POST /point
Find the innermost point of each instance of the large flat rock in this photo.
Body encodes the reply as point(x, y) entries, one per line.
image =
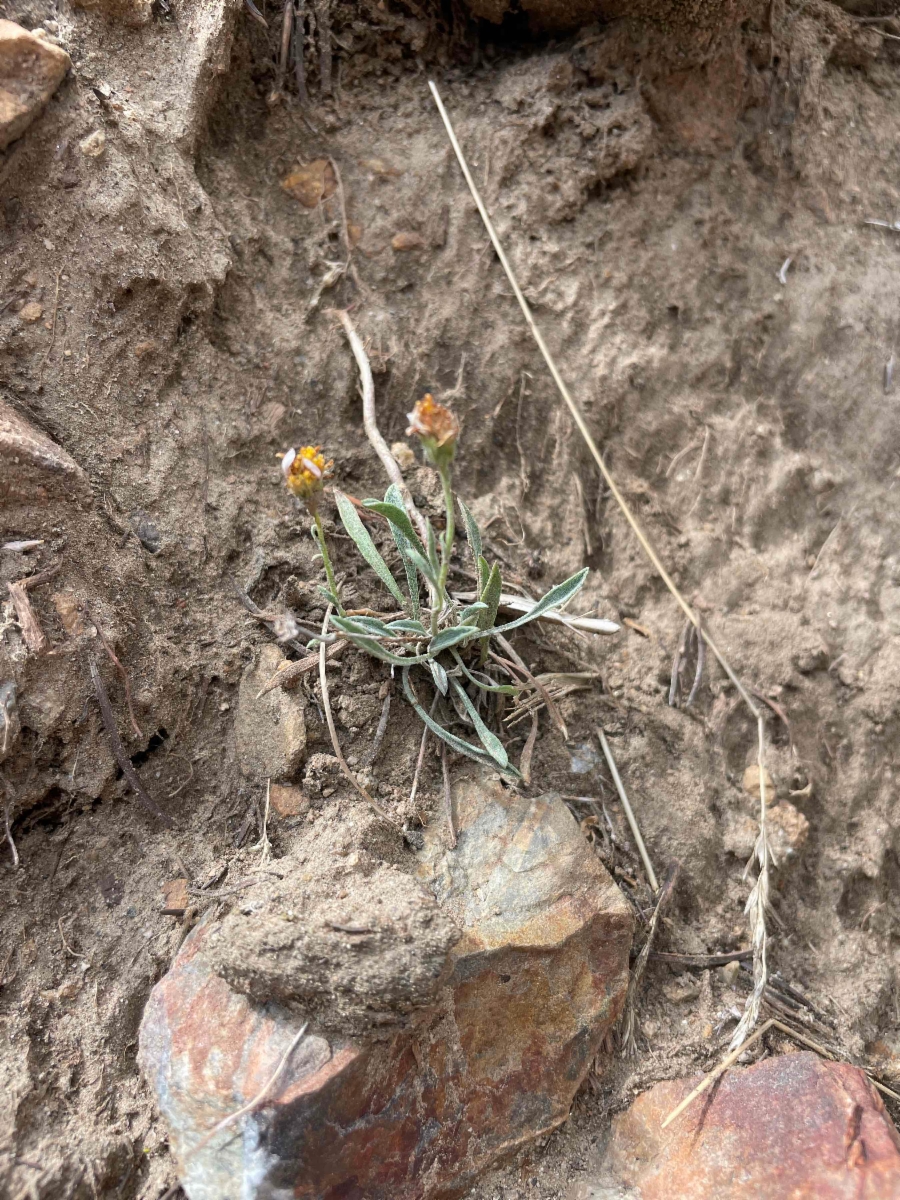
point(793, 1126)
point(491, 1056)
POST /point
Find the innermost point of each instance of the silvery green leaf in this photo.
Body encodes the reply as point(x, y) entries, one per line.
point(484, 574)
point(439, 675)
point(406, 626)
point(397, 515)
point(393, 497)
point(365, 545)
point(472, 610)
point(473, 533)
point(455, 743)
point(329, 596)
point(490, 741)
point(491, 598)
point(373, 647)
point(505, 689)
point(555, 598)
point(366, 626)
point(451, 637)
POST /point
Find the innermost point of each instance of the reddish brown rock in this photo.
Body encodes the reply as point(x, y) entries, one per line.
point(491, 1058)
point(793, 1126)
point(31, 69)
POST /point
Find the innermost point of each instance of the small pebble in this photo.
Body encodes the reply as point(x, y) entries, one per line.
point(93, 145)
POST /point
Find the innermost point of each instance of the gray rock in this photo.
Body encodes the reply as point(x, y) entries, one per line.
point(270, 732)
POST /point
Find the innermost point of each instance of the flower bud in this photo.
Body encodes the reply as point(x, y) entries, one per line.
point(436, 427)
point(305, 473)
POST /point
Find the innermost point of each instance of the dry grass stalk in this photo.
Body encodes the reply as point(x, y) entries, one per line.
point(626, 1027)
point(629, 812)
point(772, 1023)
point(528, 750)
point(758, 900)
point(329, 720)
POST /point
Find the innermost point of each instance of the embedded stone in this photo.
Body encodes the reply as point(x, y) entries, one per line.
point(792, 1125)
point(31, 69)
point(528, 970)
point(270, 730)
point(33, 468)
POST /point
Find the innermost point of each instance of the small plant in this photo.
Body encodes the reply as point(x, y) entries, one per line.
point(449, 639)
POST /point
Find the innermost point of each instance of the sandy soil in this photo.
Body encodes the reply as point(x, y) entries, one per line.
point(744, 402)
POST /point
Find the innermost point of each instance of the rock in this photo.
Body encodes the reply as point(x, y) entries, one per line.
point(751, 783)
point(525, 949)
point(311, 184)
point(270, 732)
point(93, 145)
point(31, 312)
point(130, 12)
point(287, 801)
point(33, 469)
point(404, 455)
point(407, 240)
point(176, 897)
point(31, 69)
point(793, 1125)
point(787, 829)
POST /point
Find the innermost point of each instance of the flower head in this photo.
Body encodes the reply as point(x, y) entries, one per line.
point(305, 472)
point(436, 426)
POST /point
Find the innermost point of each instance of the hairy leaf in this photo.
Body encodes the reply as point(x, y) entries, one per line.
point(366, 546)
point(451, 637)
point(490, 741)
point(505, 689)
point(484, 574)
point(555, 598)
point(473, 533)
point(439, 675)
point(491, 598)
point(393, 497)
point(455, 743)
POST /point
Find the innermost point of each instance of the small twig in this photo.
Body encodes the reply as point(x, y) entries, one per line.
point(264, 846)
point(381, 730)
point(299, 51)
point(7, 824)
point(329, 719)
point(636, 833)
point(701, 662)
point(68, 949)
point(122, 672)
point(518, 661)
point(379, 445)
point(119, 753)
point(32, 634)
point(342, 201)
point(528, 750)
point(323, 20)
point(626, 1037)
point(702, 460)
point(46, 357)
point(256, 14)
point(702, 961)
point(288, 673)
point(287, 29)
point(420, 759)
point(448, 797)
point(257, 1102)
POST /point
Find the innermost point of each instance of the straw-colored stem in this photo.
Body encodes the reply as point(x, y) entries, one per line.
point(629, 813)
point(646, 546)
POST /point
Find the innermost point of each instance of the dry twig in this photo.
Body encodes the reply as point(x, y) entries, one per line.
point(379, 445)
point(757, 903)
point(629, 813)
point(123, 674)
point(626, 1035)
point(119, 752)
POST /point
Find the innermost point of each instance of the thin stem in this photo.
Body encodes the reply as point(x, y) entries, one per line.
point(326, 559)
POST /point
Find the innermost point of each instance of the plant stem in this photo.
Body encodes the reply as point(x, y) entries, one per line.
point(447, 545)
point(326, 559)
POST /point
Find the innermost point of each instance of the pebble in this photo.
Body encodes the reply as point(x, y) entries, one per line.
point(31, 69)
point(93, 145)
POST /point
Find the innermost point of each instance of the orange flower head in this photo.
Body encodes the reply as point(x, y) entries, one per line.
point(436, 426)
point(305, 473)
